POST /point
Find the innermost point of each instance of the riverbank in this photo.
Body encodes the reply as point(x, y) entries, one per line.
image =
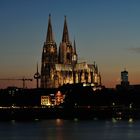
point(87, 112)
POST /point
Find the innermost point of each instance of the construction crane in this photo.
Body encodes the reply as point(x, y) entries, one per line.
point(21, 79)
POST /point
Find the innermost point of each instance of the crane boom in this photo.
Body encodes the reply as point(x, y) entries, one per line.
point(22, 79)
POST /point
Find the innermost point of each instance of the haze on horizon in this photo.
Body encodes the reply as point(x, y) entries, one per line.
point(106, 31)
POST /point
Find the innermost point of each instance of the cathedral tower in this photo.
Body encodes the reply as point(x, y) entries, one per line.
point(49, 57)
point(65, 48)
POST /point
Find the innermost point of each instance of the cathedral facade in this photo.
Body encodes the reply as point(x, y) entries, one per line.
point(60, 66)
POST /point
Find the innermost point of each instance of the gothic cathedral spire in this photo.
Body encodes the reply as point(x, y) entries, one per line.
point(74, 48)
point(65, 48)
point(49, 37)
point(65, 37)
point(74, 54)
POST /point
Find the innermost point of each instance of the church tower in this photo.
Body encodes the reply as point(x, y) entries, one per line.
point(74, 55)
point(49, 57)
point(65, 48)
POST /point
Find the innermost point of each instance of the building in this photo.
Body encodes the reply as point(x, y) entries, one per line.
point(60, 65)
point(124, 85)
point(124, 78)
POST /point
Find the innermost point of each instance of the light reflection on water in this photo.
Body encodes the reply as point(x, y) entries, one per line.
point(70, 130)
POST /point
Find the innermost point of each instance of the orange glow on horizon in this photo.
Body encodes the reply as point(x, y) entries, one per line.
point(109, 80)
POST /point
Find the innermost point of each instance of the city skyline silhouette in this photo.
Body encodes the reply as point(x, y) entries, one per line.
point(106, 32)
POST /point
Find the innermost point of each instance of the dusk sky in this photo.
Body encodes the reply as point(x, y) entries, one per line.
point(106, 31)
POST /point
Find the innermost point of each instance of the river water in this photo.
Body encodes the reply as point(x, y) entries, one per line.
point(70, 130)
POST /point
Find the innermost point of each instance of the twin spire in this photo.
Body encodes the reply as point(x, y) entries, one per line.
point(50, 37)
point(65, 37)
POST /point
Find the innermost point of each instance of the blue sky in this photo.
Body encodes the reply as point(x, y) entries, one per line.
point(106, 31)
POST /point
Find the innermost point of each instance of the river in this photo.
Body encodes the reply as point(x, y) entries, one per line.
point(70, 130)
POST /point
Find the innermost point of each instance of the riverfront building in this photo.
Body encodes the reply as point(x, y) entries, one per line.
point(60, 65)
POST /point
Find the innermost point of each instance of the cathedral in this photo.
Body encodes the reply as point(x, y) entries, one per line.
point(60, 66)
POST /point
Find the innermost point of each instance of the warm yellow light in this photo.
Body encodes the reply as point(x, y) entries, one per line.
point(130, 120)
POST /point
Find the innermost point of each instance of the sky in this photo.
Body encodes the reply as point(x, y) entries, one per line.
point(106, 31)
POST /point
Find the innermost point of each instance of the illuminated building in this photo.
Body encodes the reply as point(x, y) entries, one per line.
point(59, 98)
point(45, 100)
point(124, 78)
point(124, 81)
point(60, 65)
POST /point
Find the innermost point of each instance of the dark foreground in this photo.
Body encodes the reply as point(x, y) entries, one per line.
point(32, 113)
point(78, 102)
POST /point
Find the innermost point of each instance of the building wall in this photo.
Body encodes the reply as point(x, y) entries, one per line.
point(66, 74)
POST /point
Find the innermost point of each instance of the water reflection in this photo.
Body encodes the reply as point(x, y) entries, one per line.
point(130, 120)
point(59, 122)
point(60, 129)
